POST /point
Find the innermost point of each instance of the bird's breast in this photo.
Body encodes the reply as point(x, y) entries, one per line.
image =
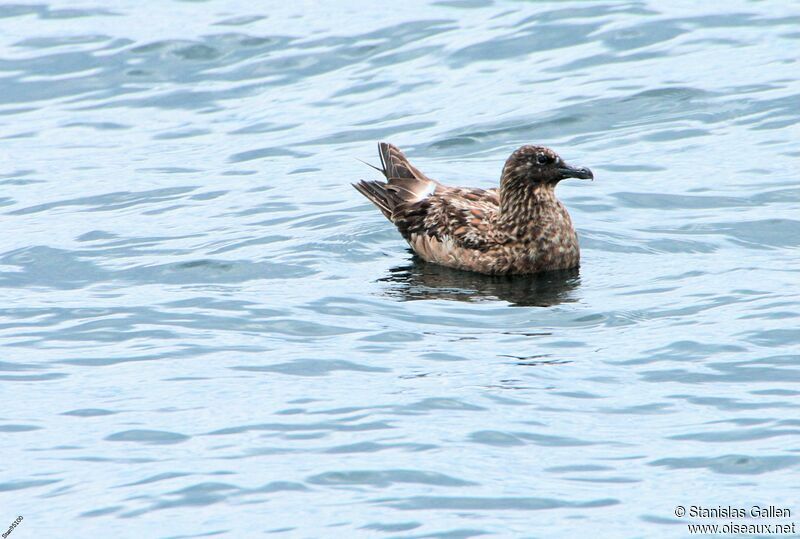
point(551, 245)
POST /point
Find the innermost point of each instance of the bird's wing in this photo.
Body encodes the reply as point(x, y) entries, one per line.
point(404, 179)
point(453, 218)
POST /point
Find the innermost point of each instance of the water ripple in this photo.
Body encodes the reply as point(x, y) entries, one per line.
point(204, 323)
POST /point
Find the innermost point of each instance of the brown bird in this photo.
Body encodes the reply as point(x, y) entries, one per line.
point(519, 228)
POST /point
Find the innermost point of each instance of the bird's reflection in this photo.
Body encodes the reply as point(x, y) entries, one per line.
point(421, 280)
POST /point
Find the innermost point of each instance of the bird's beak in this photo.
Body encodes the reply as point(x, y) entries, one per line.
point(582, 173)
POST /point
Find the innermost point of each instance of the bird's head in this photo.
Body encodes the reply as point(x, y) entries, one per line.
point(540, 166)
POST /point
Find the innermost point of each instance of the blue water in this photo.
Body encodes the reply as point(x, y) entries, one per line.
point(207, 332)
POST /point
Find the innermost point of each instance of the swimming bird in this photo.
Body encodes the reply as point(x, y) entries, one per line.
point(518, 228)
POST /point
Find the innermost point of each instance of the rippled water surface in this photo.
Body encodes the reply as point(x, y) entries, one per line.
point(207, 332)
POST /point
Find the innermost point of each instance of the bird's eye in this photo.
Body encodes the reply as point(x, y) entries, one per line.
point(542, 159)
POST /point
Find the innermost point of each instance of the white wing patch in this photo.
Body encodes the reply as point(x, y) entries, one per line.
point(428, 191)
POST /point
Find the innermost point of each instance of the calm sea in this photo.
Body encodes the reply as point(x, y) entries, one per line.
point(206, 332)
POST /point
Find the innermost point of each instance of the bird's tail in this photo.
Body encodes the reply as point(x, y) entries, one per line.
point(405, 183)
point(377, 194)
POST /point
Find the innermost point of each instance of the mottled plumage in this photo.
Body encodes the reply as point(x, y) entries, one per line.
point(519, 228)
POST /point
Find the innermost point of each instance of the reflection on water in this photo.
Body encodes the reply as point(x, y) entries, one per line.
point(420, 280)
